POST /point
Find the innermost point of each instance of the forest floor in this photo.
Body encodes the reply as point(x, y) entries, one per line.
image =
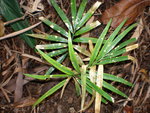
point(14, 49)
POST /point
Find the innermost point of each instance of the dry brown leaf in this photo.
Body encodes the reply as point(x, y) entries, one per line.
point(37, 6)
point(128, 109)
point(144, 75)
point(138, 31)
point(19, 81)
point(125, 9)
point(2, 28)
point(32, 6)
point(27, 101)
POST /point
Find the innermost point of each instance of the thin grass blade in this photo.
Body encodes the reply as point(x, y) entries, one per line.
point(115, 53)
point(57, 52)
point(59, 60)
point(63, 89)
point(50, 92)
point(73, 11)
point(127, 42)
point(49, 37)
point(54, 26)
point(104, 49)
point(99, 43)
point(62, 15)
point(85, 40)
point(79, 59)
point(88, 28)
point(51, 46)
point(90, 91)
point(113, 60)
point(120, 37)
point(113, 89)
point(100, 91)
point(82, 50)
point(44, 77)
point(56, 64)
point(121, 51)
point(87, 16)
point(72, 55)
point(77, 86)
point(80, 12)
point(117, 79)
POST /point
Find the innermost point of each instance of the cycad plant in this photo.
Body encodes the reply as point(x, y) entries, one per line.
point(58, 44)
point(88, 74)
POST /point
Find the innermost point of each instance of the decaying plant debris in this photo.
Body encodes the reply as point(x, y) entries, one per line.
point(137, 73)
point(124, 9)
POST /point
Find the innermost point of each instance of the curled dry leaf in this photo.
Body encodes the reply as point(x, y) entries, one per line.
point(125, 9)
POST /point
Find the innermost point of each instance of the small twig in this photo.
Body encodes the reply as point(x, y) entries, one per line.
point(19, 32)
point(63, 89)
point(19, 81)
point(147, 95)
point(14, 20)
point(5, 94)
point(140, 94)
point(31, 56)
point(8, 50)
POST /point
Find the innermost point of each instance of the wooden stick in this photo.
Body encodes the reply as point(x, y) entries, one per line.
point(19, 32)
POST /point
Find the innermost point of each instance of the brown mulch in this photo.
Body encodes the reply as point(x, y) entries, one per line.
point(13, 64)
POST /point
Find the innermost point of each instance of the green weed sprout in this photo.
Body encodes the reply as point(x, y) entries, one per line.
point(58, 44)
point(81, 73)
point(89, 76)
